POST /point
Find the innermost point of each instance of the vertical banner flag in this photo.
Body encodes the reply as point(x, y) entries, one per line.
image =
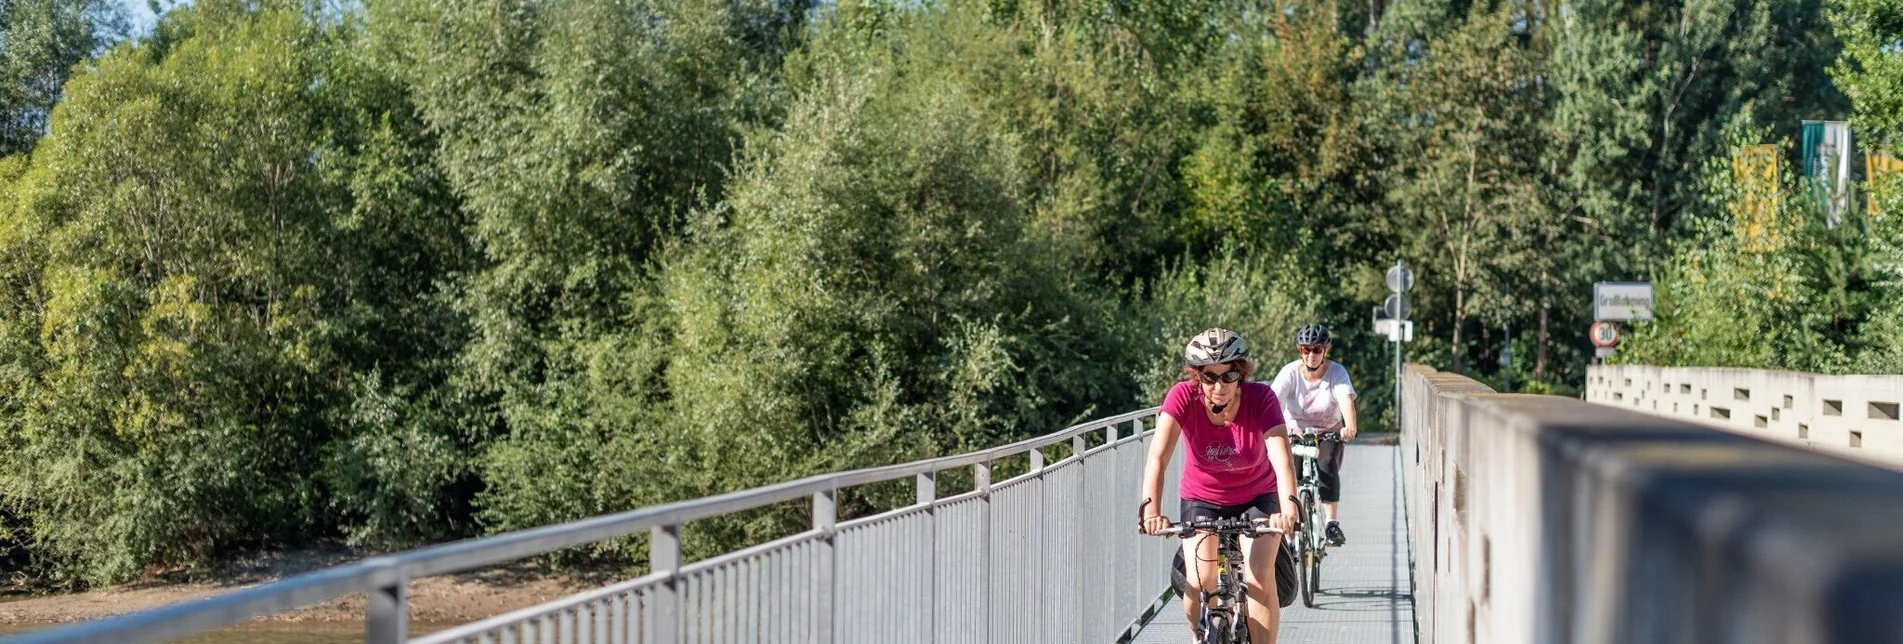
point(1827, 163)
point(1882, 173)
point(1754, 169)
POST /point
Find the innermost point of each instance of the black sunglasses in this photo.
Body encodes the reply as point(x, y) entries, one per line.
point(1226, 377)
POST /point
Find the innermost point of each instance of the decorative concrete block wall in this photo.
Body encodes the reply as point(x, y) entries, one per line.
point(1856, 416)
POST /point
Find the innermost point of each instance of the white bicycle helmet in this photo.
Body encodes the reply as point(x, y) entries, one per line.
point(1215, 346)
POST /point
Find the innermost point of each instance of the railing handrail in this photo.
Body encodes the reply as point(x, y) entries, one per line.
point(382, 572)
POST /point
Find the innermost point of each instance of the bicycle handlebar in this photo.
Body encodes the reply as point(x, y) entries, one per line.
point(1246, 527)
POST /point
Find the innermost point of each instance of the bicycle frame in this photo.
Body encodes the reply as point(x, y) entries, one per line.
point(1310, 543)
point(1225, 617)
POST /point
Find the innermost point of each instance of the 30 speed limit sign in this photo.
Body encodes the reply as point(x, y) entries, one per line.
point(1605, 335)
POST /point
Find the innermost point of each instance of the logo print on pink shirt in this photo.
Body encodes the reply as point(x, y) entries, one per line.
point(1220, 454)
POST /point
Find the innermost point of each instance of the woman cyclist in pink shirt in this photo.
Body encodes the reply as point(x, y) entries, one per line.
point(1238, 459)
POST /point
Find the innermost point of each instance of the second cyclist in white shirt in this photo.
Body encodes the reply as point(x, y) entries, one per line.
point(1318, 398)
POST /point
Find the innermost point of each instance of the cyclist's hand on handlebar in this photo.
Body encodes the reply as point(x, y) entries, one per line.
point(1283, 521)
point(1155, 524)
point(1348, 434)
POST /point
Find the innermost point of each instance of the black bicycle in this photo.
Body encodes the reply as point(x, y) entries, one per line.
point(1224, 619)
point(1310, 543)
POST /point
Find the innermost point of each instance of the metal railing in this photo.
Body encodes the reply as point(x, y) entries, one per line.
point(1051, 555)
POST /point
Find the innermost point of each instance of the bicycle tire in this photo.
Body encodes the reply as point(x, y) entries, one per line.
point(1311, 559)
point(1241, 635)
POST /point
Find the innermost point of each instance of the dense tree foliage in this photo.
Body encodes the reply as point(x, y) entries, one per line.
point(1777, 287)
point(421, 269)
point(40, 42)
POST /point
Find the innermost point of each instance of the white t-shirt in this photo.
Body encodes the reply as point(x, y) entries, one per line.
point(1310, 407)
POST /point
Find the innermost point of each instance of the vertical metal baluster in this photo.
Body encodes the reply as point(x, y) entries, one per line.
point(618, 619)
point(696, 630)
point(730, 609)
point(776, 579)
point(603, 615)
point(755, 615)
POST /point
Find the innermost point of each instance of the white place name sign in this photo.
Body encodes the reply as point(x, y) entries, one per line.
point(1622, 301)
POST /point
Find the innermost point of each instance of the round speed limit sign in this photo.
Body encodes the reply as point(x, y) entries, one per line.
point(1605, 335)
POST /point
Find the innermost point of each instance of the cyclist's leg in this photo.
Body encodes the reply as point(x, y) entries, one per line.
point(1330, 475)
point(1199, 562)
point(1265, 606)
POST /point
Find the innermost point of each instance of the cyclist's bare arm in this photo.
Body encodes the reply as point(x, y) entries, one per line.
point(1284, 466)
point(1350, 420)
point(1162, 445)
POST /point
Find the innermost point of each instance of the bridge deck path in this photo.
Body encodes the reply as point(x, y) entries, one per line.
point(1365, 598)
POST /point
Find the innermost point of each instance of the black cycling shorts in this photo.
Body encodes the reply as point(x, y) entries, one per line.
point(1329, 466)
point(1261, 507)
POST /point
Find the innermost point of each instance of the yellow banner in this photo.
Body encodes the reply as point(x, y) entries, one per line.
point(1754, 168)
point(1883, 172)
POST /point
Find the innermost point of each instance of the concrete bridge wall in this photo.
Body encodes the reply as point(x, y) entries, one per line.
point(1538, 519)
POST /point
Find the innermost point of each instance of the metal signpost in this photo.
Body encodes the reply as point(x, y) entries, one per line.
point(1620, 301)
point(1605, 338)
point(1614, 302)
point(1391, 320)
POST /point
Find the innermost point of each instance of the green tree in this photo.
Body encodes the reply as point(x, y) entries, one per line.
point(40, 42)
point(201, 263)
point(1644, 93)
point(1462, 120)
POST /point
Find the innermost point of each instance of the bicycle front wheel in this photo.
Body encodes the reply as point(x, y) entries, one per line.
point(1216, 629)
point(1310, 554)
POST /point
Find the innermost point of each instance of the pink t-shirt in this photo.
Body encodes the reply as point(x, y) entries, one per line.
point(1226, 465)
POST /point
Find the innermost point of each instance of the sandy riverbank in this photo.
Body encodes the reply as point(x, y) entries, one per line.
point(444, 600)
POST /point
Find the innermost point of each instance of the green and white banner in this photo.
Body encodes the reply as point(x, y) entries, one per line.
point(1827, 163)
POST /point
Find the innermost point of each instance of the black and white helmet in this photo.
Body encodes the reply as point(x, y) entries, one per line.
point(1215, 346)
point(1311, 335)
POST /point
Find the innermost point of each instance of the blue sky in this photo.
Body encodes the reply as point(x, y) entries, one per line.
point(141, 15)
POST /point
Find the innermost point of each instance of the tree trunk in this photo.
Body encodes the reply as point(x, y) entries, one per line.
point(1460, 302)
point(1466, 239)
point(1539, 363)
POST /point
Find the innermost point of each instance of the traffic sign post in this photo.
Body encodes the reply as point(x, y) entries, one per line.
point(1400, 278)
point(1397, 307)
point(1605, 338)
point(1390, 319)
point(1621, 301)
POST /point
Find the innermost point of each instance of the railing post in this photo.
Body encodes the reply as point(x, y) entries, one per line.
point(387, 611)
point(1041, 496)
point(664, 555)
point(981, 482)
point(928, 496)
point(825, 516)
point(1078, 446)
